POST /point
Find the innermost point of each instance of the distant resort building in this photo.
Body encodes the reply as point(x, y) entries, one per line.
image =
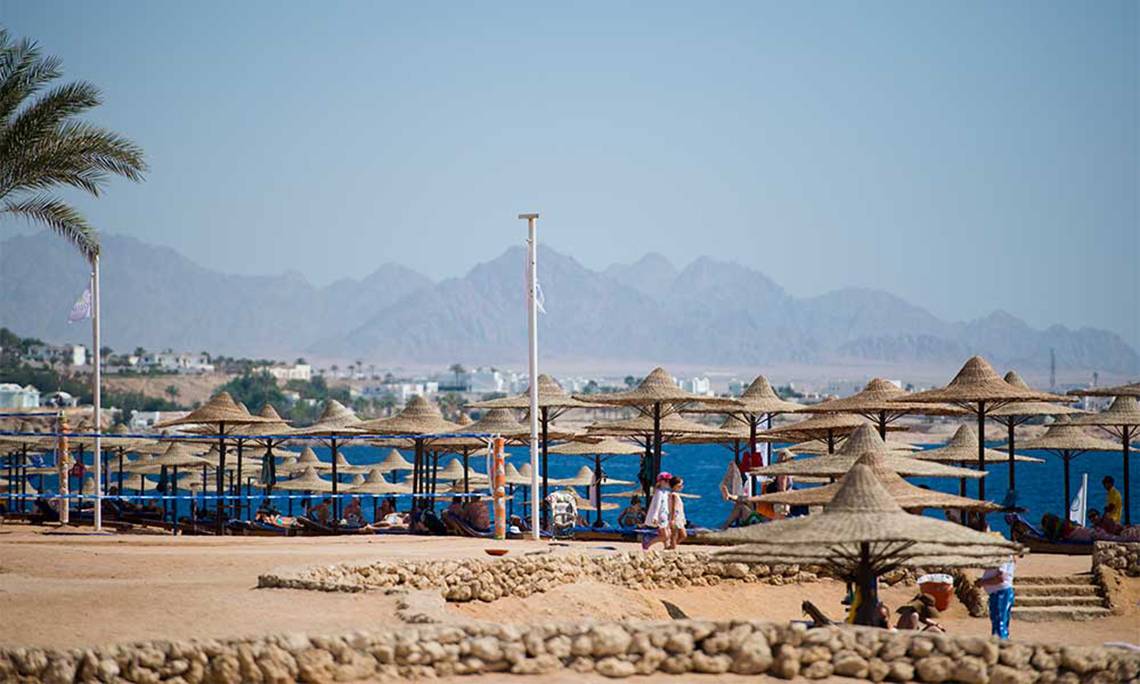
point(298, 371)
point(12, 396)
point(66, 354)
point(176, 362)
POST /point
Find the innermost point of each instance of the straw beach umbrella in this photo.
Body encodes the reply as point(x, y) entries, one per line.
point(863, 532)
point(420, 420)
point(219, 412)
point(336, 421)
point(757, 405)
point(1129, 390)
point(882, 402)
point(553, 401)
point(392, 462)
point(962, 449)
point(656, 397)
point(1122, 420)
point(651, 431)
point(606, 447)
point(829, 427)
point(1017, 413)
point(307, 481)
point(904, 493)
point(499, 422)
point(978, 388)
point(1068, 441)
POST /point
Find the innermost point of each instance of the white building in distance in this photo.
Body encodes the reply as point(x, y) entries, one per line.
point(15, 397)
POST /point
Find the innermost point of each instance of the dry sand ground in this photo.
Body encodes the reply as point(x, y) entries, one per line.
point(77, 590)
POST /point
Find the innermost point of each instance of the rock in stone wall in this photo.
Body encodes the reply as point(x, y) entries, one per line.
point(1122, 556)
point(612, 649)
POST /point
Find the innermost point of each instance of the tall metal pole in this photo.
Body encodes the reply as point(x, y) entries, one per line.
point(532, 330)
point(97, 397)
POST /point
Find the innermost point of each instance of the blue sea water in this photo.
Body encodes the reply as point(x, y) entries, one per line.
point(1040, 485)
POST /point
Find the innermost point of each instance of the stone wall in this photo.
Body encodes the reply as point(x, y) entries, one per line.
point(490, 579)
point(611, 649)
point(1122, 556)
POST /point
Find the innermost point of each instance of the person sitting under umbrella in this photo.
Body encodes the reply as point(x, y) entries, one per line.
point(320, 512)
point(633, 514)
point(353, 515)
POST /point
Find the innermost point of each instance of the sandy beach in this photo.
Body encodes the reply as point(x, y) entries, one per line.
point(84, 590)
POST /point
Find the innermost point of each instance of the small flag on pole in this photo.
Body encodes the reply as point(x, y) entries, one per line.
point(1078, 507)
point(82, 307)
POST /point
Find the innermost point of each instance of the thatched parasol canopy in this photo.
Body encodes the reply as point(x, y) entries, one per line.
point(307, 481)
point(658, 388)
point(1129, 390)
point(882, 402)
point(499, 422)
point(963, 448)
point(221, 408)
point(828, 426)
point(585, 478)
point(393, 461)
point(904, 493)
point(605, 447)
point(550, 396)
point(1029, 409)
point(671, 426)
point(862, 510)
point(1123, 412)
point(862, 441)
point(418, 417)
point(336, 419)
point(375, 484)
point(1065, 435)
point(177, 454)
point(978, 382)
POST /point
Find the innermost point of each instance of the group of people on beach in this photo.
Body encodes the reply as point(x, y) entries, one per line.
point(666, 513)
point(1098, 527)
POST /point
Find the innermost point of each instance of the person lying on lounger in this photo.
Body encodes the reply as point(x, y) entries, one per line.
point(633, 513)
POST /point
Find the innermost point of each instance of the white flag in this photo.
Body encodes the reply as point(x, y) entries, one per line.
point(1079, 505)
point(82, 307)
point(539, 297)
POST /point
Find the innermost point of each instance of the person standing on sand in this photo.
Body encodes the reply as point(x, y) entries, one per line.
point(998, 583)
point(657, 515)
point(1113, 502)
point(677, 520)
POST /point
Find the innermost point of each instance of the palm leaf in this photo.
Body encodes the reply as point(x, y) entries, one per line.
point(43, 147)
point(60, 217)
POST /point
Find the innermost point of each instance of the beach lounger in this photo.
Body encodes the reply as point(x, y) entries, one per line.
point(1023, 532)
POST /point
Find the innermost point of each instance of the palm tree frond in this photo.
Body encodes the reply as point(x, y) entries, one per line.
point(79, 155)
point(60, 217)
point(42, 118)
point(23, 72)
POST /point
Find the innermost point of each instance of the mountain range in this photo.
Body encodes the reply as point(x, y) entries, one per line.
point(710, 312)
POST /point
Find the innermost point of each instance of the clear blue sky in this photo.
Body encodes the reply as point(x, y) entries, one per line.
point(967, 156)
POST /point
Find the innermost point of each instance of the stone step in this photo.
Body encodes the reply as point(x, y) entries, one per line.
point(1065, 579)
point(1047, 614)
point(1057, 590)
point(1047, 601)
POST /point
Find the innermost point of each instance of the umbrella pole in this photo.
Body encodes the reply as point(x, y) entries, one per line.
point(647, 483)
point(597, 490)
point(1066, 457)
point(121, 450)
point(883, 425)
point(752, 450)
point(1126, 434)
point(830, 441)
point(220, 506)
point(466, 482)
point(768, 445)
point(417, 475)
point(982, 450)
point(174, 501)
point(866, 581)
point(1009, 442)
point(238, 502)
point(335, 498)
point(544, 413)
point(656, 440)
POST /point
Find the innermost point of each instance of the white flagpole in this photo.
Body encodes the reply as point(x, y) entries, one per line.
point(532, 329)
point(97, 360)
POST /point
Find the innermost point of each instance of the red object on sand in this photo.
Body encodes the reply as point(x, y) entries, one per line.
point(939, 587)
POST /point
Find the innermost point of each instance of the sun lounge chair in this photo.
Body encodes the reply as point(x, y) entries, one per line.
point(1023, 532)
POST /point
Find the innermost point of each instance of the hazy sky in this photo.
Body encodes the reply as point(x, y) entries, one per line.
point(966, 156)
